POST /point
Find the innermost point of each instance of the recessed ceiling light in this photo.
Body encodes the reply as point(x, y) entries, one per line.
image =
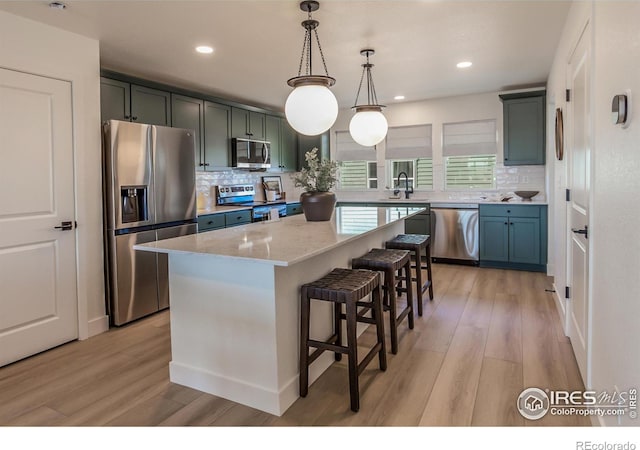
point(464, 64)
point(204, 49)
point(57, 5)
point(399, 97)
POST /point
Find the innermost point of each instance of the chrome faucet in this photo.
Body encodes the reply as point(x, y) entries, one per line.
point(407, 190)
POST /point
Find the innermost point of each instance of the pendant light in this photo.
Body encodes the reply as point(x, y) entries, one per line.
point(311, 108)
point(368, 126)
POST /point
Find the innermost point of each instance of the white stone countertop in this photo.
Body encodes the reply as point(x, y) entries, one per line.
point(283, 242)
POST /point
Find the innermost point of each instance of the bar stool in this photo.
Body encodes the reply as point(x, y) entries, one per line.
point(420, 245)
point(390, 262)
point(350, 287)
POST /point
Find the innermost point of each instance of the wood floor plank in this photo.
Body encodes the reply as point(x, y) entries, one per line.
point(149, 412)
point(498, 391)
point(40, 416)
point(453, 396)
point(477, 311)
point(202, 411)
point(505, 331)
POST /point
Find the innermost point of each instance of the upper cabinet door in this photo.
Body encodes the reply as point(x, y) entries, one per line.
point(273, 136)
point(524, 128)
point(150, 106)
point(257, 125)
point(217, 135)
point(288, 147)
point(247, 124)
point(188, 112)
point(115, 99)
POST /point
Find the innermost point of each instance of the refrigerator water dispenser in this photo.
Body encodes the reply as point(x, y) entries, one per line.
point(134, 203)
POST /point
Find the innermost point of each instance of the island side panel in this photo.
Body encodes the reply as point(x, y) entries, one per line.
point(288, 281)
point(223, 328)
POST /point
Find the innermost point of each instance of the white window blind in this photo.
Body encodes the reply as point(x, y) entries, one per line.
point(477, 137)
point(409, 149)
point(409, 142)
point(356, 163)
point(354, 219)
point(469, 149)
point(349, 150)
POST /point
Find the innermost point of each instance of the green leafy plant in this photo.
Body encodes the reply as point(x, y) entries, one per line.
point(319, 176)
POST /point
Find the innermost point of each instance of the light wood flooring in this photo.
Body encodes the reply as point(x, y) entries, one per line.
point(487, 335)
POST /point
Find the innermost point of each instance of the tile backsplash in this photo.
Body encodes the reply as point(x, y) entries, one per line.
point(206, 182)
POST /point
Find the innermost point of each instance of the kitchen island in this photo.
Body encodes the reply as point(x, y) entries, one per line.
point(234, 296)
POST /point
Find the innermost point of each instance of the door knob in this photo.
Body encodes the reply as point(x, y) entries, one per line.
point(584, 231)
point(65, 226)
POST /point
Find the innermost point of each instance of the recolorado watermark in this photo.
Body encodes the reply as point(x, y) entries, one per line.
point(535, 403)
point(588, 445)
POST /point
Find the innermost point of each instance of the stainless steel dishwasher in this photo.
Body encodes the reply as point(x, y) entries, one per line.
point(455, 232)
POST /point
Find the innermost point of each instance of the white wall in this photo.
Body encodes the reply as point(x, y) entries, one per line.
point(616, 214)
point(40, 49)
point(437, 112)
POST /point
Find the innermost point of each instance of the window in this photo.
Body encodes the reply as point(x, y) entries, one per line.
point(408, 149)
point(357, 164)
point(355, 219)
point(469, 150)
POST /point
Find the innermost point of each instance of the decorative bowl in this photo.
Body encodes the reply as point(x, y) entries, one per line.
point(526, 195)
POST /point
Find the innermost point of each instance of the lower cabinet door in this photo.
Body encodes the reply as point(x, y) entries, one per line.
point(524, 240)
point(494, 238)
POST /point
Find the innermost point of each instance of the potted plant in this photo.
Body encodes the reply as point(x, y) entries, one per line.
point(317, 180)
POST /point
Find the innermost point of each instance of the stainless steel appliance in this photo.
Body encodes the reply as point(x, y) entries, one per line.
point(456, 233)
point(244, 195)
point(250, 154)
point(149, 194)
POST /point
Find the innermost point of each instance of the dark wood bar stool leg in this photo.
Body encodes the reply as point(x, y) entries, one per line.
point(429, 273)
point(337, 327)
point(407, 277)
point(352, 345)
point(378, 317)
point(305, 309)
point(390, 283)
point(419, 292)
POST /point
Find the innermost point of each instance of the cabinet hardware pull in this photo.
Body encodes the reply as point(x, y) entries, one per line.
point(506, 223)
point(584, 231)
point(206, 164)
point(134, 118)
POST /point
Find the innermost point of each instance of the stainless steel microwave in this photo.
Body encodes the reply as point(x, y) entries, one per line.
point(250, 154)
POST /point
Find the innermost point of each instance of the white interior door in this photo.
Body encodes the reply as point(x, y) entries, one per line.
point(38, 295)
point(578, 208)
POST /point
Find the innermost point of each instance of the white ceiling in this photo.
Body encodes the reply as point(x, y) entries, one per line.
point(258, 43)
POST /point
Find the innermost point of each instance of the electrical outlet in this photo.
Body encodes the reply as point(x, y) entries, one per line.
point(525, 179)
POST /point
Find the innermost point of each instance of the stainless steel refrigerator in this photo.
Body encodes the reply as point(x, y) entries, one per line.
point(149, 194)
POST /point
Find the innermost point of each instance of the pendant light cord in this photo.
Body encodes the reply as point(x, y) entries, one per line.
point(309, 25)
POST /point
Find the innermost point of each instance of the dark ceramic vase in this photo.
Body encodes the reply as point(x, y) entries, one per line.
point(318, 206)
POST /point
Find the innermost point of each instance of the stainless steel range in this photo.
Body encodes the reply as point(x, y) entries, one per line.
point(244, 195)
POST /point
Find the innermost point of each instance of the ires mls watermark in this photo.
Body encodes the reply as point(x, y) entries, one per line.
point(535, 403)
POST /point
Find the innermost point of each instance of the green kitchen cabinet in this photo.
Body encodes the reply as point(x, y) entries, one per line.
point(247, 124)
point(115, 100)
point(124, 101)
point(513, 237)
point(235, 218)
point(283, 141)
point(188, 112)
point(210, 222)
point(524, 128)
point(217, 136)
point(293, 209)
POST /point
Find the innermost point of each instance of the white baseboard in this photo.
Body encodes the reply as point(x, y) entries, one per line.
point(98, 325)
point(560, 306)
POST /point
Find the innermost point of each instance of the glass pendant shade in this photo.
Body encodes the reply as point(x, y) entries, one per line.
point(311, 109)
point(369, 127)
